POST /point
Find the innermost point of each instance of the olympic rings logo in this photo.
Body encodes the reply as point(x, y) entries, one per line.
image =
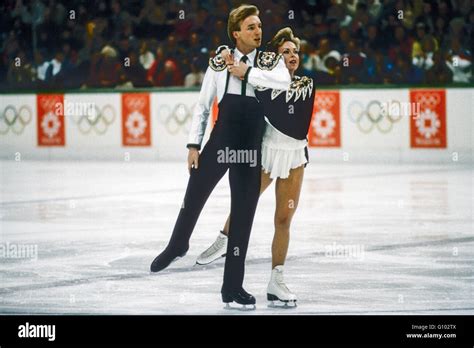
point(99, 121)
point(49, 103)
point(325, 102)
point(428, 100)
point(14, 119)
point(373, 115)
point(176, 118)
point(135, 102)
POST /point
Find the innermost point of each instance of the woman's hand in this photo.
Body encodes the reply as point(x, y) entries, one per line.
point(193, 159)
point(238, 70)
point(227, 56)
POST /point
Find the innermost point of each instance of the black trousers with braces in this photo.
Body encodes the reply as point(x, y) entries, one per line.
point(240, 126)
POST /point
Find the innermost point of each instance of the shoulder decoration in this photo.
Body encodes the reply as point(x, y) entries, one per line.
point(267, 60)
point(300, 87)
point(217, 63)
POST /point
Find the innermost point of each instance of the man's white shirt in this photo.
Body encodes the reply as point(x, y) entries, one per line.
point(214, 85)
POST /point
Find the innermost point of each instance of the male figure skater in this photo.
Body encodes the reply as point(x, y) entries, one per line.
point(240, 126)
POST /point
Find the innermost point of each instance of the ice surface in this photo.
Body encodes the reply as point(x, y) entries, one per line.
point(366, 239)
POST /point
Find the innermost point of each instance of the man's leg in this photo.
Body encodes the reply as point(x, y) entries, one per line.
point(201, 183)
point(245, 190)
point(264, 183)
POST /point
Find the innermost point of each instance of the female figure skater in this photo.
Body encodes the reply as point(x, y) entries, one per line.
point(284, 156)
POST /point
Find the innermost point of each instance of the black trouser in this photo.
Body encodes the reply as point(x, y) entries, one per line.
point(239, 126)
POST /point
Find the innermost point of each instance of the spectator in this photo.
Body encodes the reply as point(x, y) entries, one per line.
point(439, 73)
point(373, 41)
point(343, 43)
point(360, 21)
point(306, 57)
point(55, 67)
point(134, 73)
point(195, 77)
point(353, 62)
point(401, 45)
point(147, 58)
point(459, 61)
point(152, 19)
point(332, 71)
point(164, 71)
point(378, 69)
point(424, 59)
point(440, 30)
point(405, 72)
point(318, 60)
point(105, 69)
point(374, 9)
point(405, 13)
point(458, 31)
point(320, 27)
point(427, 16)
point(386, 29)
point(337, 11)
point(420, 35)
point(20, 73)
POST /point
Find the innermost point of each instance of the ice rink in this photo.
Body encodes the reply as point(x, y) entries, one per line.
point(366, 239)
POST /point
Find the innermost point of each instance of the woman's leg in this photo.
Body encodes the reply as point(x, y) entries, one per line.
point(264, 183)
point(287, 193)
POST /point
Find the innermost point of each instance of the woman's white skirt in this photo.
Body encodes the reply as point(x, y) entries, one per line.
point(281, 153)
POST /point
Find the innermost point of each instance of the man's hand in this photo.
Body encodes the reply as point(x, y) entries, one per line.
point(238, 70)
point(193, 159)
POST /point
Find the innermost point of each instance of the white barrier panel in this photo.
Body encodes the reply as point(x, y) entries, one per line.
point(172, 114)
point(366, 134)
point(18, 125)
point(96, 131)
point(460, 113)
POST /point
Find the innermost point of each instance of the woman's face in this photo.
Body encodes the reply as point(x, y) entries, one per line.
point(290, 54)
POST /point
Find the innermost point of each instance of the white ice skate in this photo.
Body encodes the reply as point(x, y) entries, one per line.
point(278, 293)
point(216, 251)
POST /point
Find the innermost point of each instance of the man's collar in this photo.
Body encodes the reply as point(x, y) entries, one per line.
point(251, 55)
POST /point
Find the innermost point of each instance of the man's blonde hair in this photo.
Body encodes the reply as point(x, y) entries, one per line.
point(237, 15)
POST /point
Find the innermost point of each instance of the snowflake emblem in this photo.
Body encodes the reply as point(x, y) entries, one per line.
point(50, 124)
point(428, 123)
point(324, 123)
point(136, 124)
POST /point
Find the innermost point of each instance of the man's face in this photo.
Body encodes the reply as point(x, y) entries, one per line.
point(250, 33)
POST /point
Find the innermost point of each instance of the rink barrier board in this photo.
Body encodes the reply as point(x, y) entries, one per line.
point(347, 125)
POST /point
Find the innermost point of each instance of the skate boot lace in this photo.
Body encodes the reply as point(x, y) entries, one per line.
point(218, 244)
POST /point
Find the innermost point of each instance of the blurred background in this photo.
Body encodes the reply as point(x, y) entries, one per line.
point(58, 44)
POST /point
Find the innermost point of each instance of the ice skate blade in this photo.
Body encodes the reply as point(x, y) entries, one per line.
point(208, 263)
point(239, 307)
point(282, 304)
point(275, 302)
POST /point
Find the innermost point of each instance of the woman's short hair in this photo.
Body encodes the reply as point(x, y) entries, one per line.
point(283, 35)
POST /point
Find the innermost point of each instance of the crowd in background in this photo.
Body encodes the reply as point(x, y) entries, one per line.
point(60, 44)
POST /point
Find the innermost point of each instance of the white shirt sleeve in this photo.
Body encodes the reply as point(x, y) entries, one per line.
point(278, 78)
point(202, 110)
